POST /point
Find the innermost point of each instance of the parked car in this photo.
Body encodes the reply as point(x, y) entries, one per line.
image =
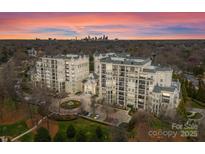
point(85, 113)
point(97, 116)
point(89, 114)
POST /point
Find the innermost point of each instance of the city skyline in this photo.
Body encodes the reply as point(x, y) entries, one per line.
point(115, 25)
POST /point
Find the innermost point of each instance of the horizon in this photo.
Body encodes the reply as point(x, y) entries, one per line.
point(52, 39)
point(123, 26)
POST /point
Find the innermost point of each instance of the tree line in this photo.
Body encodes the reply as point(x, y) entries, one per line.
point(195, 93)
point(71, 134)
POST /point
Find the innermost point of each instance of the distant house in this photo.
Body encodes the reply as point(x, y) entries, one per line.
point(32, 52)
point(193, 79)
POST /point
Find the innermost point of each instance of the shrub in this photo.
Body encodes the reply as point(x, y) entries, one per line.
point(70, 131)
point(42, 135)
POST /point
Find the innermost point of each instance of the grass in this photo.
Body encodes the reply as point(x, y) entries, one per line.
point(189, 113)
point(196, 104)
point(196, 116)
point(9, 104)
point(158, 124)
point(87, 126)
point(16, 129)
point(71, 104)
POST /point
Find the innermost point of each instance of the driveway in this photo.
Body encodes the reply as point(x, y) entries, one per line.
point(117, 115)
point(201, 111)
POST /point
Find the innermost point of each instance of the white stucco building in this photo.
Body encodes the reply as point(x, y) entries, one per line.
point(62, 73)
point(124, 80)
point(90, 85)
point(97, 58)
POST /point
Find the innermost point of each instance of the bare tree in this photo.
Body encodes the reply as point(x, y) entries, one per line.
point(82, 106)
point(93, 104)
point(201, 132)
point(2, 97)
point(9, 80)
point(40, 96)
point(137, 118)
point(119, 135)
point(108, 111)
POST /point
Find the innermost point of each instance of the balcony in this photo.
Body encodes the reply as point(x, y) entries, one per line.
point(122, 74)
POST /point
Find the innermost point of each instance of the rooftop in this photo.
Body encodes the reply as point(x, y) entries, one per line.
point(68, 56)
point(158, 89)
point(153, 69)
point(125, 60)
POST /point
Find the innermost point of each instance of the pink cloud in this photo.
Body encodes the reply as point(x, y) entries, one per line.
point(121, 25)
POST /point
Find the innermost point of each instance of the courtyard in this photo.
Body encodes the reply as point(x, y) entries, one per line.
point(99, 112)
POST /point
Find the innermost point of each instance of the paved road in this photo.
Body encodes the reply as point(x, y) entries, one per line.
point(201, 111)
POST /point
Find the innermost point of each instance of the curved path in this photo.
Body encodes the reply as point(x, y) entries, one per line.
point(32, 129)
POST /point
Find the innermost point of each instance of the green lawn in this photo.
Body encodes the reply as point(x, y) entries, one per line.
point(70, 104)
point(196, 104)
point(87, 126)
point(16, 129)
point(196, 116)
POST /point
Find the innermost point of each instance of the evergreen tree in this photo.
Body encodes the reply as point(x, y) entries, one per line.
point(99, 133)
point(91, 65)
point(194, 92)
point(182, 110)
point(119, 135)
point(81, 137)
point(189, 89)
point(184, 91)
point(201, 92)
point(42, 135)
point(59, 138)
point(198, 70)
point(186, 84)
point(70, 131)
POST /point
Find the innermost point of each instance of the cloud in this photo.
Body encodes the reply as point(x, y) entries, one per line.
point(121, 25)
point(165, 30)
point(178, 29)
point(95, 33)
point(105, 26)
point(56, 31)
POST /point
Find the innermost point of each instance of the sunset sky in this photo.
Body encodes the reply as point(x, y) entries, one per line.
point(115, 25)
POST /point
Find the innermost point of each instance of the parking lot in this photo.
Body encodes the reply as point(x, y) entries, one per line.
point(112, 115)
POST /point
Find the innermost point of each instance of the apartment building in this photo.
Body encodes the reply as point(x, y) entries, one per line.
point(62, 73)
point(133, 81)
point(97, 58)
point(90, 85)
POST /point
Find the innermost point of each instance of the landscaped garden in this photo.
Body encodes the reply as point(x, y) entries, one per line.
point(70, 104)
point(192, 103)
point(85, 130)
point(194, 115)
point(13, 130)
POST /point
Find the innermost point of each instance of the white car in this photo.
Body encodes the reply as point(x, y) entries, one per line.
point(89, 114)
point(97, 116)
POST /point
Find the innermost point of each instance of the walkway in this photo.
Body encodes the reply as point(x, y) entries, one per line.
point(30, 130)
